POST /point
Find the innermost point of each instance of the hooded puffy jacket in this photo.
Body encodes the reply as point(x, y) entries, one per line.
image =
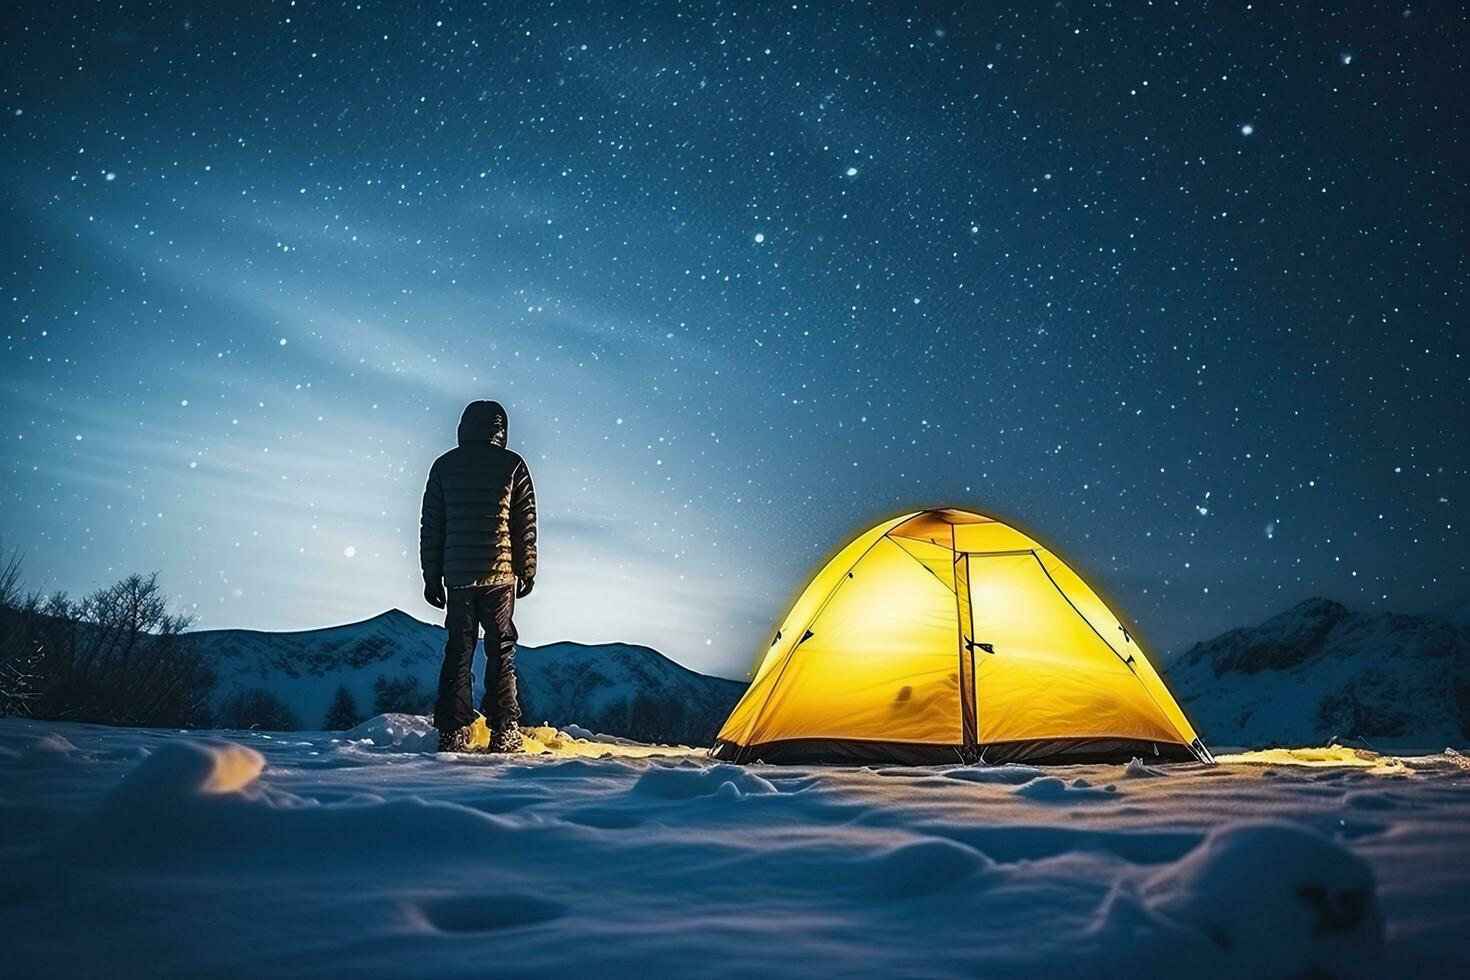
point(478, 523)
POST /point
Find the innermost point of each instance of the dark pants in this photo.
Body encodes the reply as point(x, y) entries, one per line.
point(467, 611)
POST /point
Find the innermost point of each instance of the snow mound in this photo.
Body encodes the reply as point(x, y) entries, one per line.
point(52, 745)
point(43, 751)
point(400, 733)
point(182, 769)
point(688, 782)
point(1138, 769)
point(1051, 789)
point(1275, 899)
point(914, 868)
point(578, 732)
point(199, 804)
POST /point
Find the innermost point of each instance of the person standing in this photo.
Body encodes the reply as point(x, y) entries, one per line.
point(477, 537)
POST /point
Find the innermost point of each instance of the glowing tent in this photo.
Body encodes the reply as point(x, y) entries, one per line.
point(948, 636)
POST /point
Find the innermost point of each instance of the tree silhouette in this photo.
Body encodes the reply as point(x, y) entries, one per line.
point(256, 708)
point(116, 656)
point(400, 695)
point(343, 713)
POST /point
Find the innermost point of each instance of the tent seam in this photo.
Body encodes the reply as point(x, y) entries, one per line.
point(1068, 599)
point(841, 581)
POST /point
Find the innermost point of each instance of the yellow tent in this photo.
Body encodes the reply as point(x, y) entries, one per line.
point(949, 636)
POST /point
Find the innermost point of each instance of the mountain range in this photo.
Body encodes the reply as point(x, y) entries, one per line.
point(1320, 670)
point(1315, 671)
point(391, 663)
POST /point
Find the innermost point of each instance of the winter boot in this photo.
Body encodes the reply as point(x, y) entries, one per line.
point(455, 741)
point(507, 739)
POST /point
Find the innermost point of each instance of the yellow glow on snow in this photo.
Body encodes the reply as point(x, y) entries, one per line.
point(235, 767)
point(1340, 756)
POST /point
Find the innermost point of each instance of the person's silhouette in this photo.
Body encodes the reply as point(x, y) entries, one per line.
point(477, 535)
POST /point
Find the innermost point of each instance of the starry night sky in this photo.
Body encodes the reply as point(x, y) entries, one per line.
point(1181, 291)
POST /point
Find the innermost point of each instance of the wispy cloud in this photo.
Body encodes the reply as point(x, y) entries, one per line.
point(285, 493)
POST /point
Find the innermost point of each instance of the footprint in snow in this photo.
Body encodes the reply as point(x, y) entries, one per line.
point(488, 913)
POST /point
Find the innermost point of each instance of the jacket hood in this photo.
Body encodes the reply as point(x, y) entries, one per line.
point(483, 421)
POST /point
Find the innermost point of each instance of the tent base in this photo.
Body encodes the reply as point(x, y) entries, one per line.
point(1043, 751)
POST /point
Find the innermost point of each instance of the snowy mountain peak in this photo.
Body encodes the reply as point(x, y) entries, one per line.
point(1321, 669)
point(1316, 609)
point(394, 615)
point(390, 619)
point(391, 661)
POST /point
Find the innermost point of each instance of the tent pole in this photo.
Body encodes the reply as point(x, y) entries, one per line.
point(964, 626)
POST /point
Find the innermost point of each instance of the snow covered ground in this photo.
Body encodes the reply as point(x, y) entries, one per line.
point(153, 853)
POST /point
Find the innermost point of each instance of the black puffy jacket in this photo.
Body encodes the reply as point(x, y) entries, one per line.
point(478, 524)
